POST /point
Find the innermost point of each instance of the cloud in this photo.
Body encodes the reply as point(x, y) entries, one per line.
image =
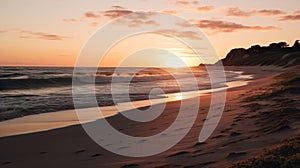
point(72, 20)
point(267, 12)
point(138, 19)
point(139, 22)
point(205, 8)
point(134, 18)
point(185, 2)
point(171, 11)
point(117, 7)
point(237, 12)
point(94, 24)
point(114, 13)
point(41, 35)
point(218, 26)
point(91, 15)
point(182, 2)
point(182, 34)
point(297, 13)
point(2, 31)
point(290, 18)
point(141, 15)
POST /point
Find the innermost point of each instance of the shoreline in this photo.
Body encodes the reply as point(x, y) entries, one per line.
point(234, 139)
point(60, 119)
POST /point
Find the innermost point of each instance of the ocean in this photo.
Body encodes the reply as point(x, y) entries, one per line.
point(33, 90)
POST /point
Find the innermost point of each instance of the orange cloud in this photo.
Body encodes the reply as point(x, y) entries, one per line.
point(290, 18)
point(114, 13)
point(218, 26)
point(137, 19)
point(297, 13)
point(91, 15)
point(41, 35)
point(237, 12)
point(182, 34)
point(205, 8)
point(171, 11)
point(71, 20)
point(94, 24)
point(139, 22)
point(271, 12)
point(117, 7)
point(185, 2)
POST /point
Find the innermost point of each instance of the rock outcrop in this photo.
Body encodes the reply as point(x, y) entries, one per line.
point(278, 54)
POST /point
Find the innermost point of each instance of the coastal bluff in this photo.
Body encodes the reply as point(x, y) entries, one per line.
point(276, 54)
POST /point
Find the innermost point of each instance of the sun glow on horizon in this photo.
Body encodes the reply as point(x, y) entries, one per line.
point(149, 50)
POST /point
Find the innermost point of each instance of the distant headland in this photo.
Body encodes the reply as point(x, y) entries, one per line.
point(277, 54)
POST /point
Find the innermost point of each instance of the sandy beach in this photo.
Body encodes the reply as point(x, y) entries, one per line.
point(239, 135)
point(150, 84)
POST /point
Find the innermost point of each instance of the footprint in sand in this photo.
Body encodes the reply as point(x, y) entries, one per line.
point(233, 155)
point(80, 151)
point(217, 136)
point(96, 155)
point(180, 129)
point(228, 110)
point(199, 143)
point(42, 153)
point(143, 140)
point(225, 130)
point(235, 134)
point(201, 154)
point(123, 147)
point(206, 163)
point(234, 124)
point(130, 166)
point(6, 163)
point(179, 153)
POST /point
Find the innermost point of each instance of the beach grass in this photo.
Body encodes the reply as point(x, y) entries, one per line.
point(283, 155)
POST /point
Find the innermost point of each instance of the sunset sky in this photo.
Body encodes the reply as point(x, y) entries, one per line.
point(52, 32)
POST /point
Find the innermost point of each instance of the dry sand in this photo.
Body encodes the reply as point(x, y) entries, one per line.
point(237, 136)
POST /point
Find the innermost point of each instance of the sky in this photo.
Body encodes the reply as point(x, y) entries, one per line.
point(56, 32)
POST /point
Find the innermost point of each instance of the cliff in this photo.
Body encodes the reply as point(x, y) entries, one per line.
point(278, 54)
